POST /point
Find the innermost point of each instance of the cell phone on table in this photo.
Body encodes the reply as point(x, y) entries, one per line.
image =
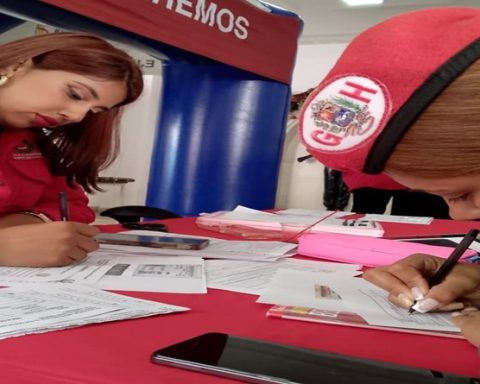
point(185, 243)
point(258, 361)
point(146, 226)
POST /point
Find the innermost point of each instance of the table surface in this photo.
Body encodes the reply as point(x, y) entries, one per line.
point(119, 352)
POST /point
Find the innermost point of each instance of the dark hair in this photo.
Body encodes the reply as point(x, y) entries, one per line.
point(445, 139)
point(80, 150)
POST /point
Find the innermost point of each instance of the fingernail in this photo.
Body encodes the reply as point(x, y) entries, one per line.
point(426, 305)
point(405, 300)
point(470, 309)
point(455, 314)
point(417, 293)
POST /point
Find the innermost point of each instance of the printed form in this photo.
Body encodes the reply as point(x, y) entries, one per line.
point(120, 271)
point(42, 307)
point(343, 293)
point(253, 277)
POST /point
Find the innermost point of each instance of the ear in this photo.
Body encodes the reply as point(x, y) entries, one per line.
point(19, 67)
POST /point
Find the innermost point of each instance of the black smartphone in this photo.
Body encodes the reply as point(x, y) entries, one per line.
point(146, 226)
point(257, 361)
point(189, 243)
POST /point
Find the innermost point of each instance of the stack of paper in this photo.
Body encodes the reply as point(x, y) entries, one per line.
point(43, 307)
point(119, 270)
point(335, 224)
point(251, 223)
point(345, 300)
point(419, 220)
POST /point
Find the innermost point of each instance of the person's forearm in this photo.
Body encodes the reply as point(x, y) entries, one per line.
point(15, 219)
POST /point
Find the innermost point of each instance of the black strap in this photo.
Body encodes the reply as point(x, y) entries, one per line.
point(416, 104)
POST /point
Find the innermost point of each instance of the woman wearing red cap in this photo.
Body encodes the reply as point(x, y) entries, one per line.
point(403, 111)
point(60, 99)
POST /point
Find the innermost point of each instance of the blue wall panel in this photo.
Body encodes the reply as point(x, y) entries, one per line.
point(219, 139)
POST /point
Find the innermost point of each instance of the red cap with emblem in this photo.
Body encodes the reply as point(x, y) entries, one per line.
point(381, 84)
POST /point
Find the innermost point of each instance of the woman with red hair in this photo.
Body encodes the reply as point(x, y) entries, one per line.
point(61, 96)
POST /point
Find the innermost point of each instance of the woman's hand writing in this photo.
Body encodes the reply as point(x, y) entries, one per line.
point(46, 245)
point(406, 282)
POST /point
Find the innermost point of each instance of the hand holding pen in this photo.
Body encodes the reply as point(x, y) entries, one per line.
point(405, 281)
point(448, 265)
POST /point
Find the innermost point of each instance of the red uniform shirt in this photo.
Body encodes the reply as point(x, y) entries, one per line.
point(26, 183)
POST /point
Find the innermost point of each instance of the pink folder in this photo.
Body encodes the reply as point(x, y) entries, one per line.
point(365, 250)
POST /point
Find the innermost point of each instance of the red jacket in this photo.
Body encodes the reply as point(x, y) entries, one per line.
point(26, 183)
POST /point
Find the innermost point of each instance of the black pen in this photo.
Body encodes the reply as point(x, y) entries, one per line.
point(448, 265)
point(63, 202)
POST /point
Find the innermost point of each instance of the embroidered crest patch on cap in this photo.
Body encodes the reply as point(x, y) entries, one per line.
point(344, 114)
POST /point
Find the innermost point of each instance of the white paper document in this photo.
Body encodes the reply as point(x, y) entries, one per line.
point(372, 304)
point(339, 292)
point(123, 271)
point(253, 277)
point(44, 307)
point(315, 214)
point(423, 220)
point(88, 270)
point(179, 274)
